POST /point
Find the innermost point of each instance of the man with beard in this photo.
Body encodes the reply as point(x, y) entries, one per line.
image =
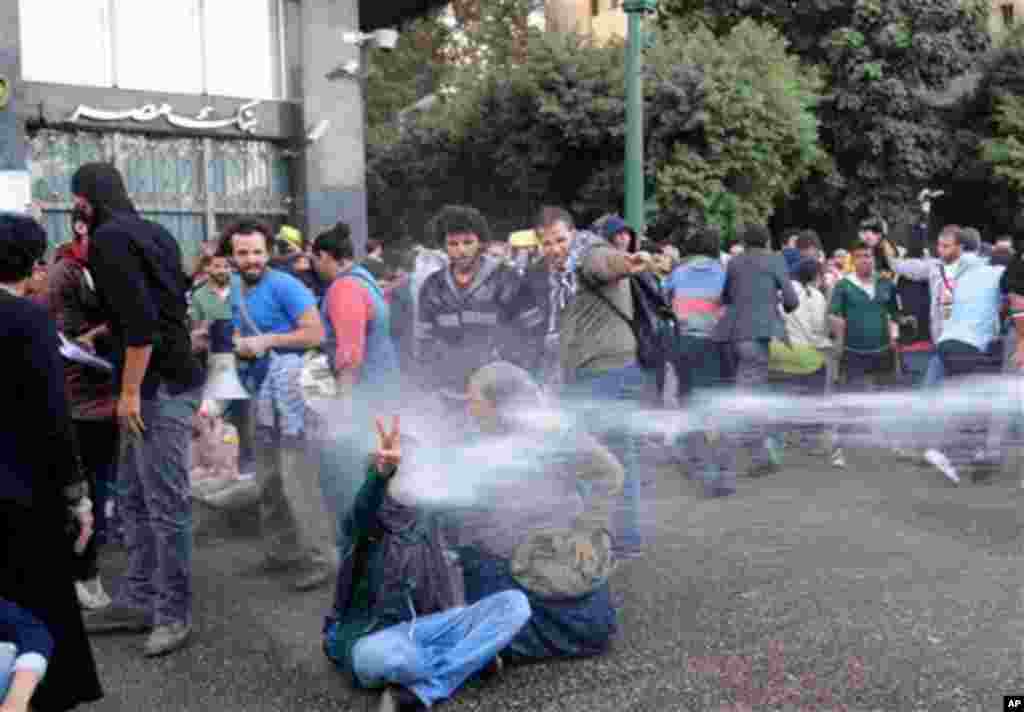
point(210, 302)
point(137, 267)
point(276, 322)
point(476, 311)
point(553, 284)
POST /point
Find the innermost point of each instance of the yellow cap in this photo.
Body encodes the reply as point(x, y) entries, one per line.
point(523, 238)
point(290, 235)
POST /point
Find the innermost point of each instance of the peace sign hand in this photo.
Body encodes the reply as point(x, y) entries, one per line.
point(389, 447)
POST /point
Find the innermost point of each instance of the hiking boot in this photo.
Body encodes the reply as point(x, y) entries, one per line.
point(312, 578)
point(166, 639)
point(398, 699)
point(117, 619)
point(91, 595)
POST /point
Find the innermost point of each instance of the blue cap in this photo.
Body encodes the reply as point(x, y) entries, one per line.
point(613, 226)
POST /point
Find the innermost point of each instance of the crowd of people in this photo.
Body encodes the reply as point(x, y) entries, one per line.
point(451, 435)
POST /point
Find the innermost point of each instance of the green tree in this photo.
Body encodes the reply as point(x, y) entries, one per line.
point(721, 114)
point(1006, 151)
point(877, 57)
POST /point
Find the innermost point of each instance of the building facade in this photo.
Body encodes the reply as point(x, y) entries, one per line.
point(1006, 15)
point(601, 19)
point(206, 107)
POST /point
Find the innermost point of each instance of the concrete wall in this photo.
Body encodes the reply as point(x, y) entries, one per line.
point(335, 166)
point(12, 135)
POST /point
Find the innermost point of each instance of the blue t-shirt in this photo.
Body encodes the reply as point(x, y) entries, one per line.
point(274, 304)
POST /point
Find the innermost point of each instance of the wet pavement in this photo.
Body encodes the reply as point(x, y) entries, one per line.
point(880, 587)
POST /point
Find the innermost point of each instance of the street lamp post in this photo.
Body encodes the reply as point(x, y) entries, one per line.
point(635, 11)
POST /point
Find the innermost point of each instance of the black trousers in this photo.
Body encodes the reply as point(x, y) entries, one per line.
point(97, 445)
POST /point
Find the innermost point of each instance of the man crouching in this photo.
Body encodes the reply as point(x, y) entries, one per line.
point(397, 567)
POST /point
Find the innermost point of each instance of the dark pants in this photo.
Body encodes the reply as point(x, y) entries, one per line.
point(862, 371)
point(750, 359)
point(699, 367)
point(811, 385)
point(966, 435)
point(157, 511)
point(97, 445)
point(566, 627)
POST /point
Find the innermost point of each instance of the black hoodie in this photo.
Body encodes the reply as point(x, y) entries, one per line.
point(137, 267)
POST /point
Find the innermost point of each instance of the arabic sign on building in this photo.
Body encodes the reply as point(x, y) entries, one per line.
point(244, 119)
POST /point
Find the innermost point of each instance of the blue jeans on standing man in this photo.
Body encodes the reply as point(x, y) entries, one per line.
point(154, 498)
point(432, 656)
point(610, 400)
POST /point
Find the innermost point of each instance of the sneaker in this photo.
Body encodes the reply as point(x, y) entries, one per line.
point(166, 639)
point(91, 595)
point(838, 458)
point(940, 462)
point(117, 619)
point(398, 699)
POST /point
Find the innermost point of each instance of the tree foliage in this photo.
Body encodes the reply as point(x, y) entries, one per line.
point(1006, 150)
point(728, 121)
point(877, 58)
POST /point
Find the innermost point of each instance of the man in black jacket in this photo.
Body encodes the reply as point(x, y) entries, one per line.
point(137, 267)
point(475, 312)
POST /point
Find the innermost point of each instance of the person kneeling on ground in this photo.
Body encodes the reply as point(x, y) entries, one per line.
point(397, 566)
point(540, 526)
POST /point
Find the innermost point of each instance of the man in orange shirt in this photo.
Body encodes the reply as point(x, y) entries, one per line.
point(363, 360)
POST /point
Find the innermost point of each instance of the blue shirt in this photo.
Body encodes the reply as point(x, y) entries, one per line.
point(274, 304)
point(976, 302)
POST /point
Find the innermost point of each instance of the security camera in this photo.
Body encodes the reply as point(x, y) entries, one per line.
point(318, 131)
point(386, 38)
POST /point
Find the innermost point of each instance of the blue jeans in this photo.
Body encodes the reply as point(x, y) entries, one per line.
point(8, 652)
point(936, 371)
point(751, 360)
point(157, 511)
point(917, 366)
point(610, 399)
point(434, 655)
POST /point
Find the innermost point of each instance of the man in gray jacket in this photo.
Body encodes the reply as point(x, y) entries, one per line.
point(601, 365)
point(756, 284)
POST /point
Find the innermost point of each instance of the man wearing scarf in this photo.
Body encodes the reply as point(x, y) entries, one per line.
point(137, 266)
point(554, 283)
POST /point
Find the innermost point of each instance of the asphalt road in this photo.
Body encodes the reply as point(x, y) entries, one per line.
point(881, 587)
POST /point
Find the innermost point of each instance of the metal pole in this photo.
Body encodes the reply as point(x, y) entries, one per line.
point(634, 169)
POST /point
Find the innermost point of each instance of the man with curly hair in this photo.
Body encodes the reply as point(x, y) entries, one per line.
point(475, 311)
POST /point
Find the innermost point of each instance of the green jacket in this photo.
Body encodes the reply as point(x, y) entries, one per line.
point(867, 318)
point(351, 617)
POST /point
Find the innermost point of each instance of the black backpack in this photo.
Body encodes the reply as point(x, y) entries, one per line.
point(654, 322)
